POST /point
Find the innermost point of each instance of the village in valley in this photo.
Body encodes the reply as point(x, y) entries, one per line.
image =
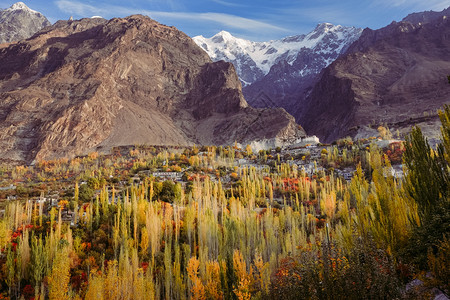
point(51, 184)
point(222, 222)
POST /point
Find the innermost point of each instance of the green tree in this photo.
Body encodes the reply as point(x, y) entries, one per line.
point(445, 131)
point(37, 262)
point(10, 270)
point(86, 193)
point(93, 183)
point(428, 183)
point(169, 191)
point(427, 179)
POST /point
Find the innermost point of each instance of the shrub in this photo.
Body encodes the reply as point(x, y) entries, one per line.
point(86, 193)
point(170, 191)
point(325, 272)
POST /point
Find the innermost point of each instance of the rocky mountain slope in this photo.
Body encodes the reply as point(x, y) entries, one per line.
point(20, 22)
point(277, 73)
point(395, 76)
point(79, 86)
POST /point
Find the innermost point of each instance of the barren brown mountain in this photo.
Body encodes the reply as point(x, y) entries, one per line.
point(394, 76)
point(93, 84)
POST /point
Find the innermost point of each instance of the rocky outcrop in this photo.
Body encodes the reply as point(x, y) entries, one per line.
point(20, 22)
point(394, 76)
point(91, 84)
point(215, 83)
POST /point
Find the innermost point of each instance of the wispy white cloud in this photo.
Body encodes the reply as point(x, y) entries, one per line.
point(239, 22)
point(227, 3)
point(225, 20)
point(416, 5)
point(78, 8)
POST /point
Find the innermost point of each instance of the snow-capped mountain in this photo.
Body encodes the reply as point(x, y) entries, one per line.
point(20, 22)
point(253, 60)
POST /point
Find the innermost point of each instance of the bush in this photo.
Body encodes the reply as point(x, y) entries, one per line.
point(439, 264)
point(428, 236)
point(325, 272)
point(170, 191)
point(86, 193)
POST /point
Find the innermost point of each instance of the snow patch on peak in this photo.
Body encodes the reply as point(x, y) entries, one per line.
point(324, 26)
point(20, 6)
point(224, 33)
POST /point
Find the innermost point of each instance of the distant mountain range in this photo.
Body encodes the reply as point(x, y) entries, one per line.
point(276, 73)
point(20, 22)
point(253, 60)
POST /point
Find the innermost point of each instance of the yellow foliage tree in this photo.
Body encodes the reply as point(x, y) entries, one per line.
point(95, 288)
point(197, 290)
point(213, 289)
point(58, 281)
point(242, 291)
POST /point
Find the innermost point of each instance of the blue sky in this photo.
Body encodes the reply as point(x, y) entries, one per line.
point(253, 19)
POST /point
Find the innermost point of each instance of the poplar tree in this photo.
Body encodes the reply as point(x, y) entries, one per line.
point(425, 182)
point(37, 262)
point(428, 183)
point(58, 281)
point(10, 270)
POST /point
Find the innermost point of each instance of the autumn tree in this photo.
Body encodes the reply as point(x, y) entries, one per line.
point(58, 280)
point(384, 132)
point(37, 261)
point(197, 287)
point(242, 288)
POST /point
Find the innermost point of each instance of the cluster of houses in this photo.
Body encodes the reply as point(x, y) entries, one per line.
point(175, 176)
point(7, 188)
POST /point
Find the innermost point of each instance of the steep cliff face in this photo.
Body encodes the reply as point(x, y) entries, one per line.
point(215, 82)
point(20, 22)
point(395, 76)
point(94, 84)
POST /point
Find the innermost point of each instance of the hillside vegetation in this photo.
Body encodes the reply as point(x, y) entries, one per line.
point(230, 224)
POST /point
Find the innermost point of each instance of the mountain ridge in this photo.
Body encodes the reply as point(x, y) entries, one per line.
point(395, 76)
point(92, 84)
